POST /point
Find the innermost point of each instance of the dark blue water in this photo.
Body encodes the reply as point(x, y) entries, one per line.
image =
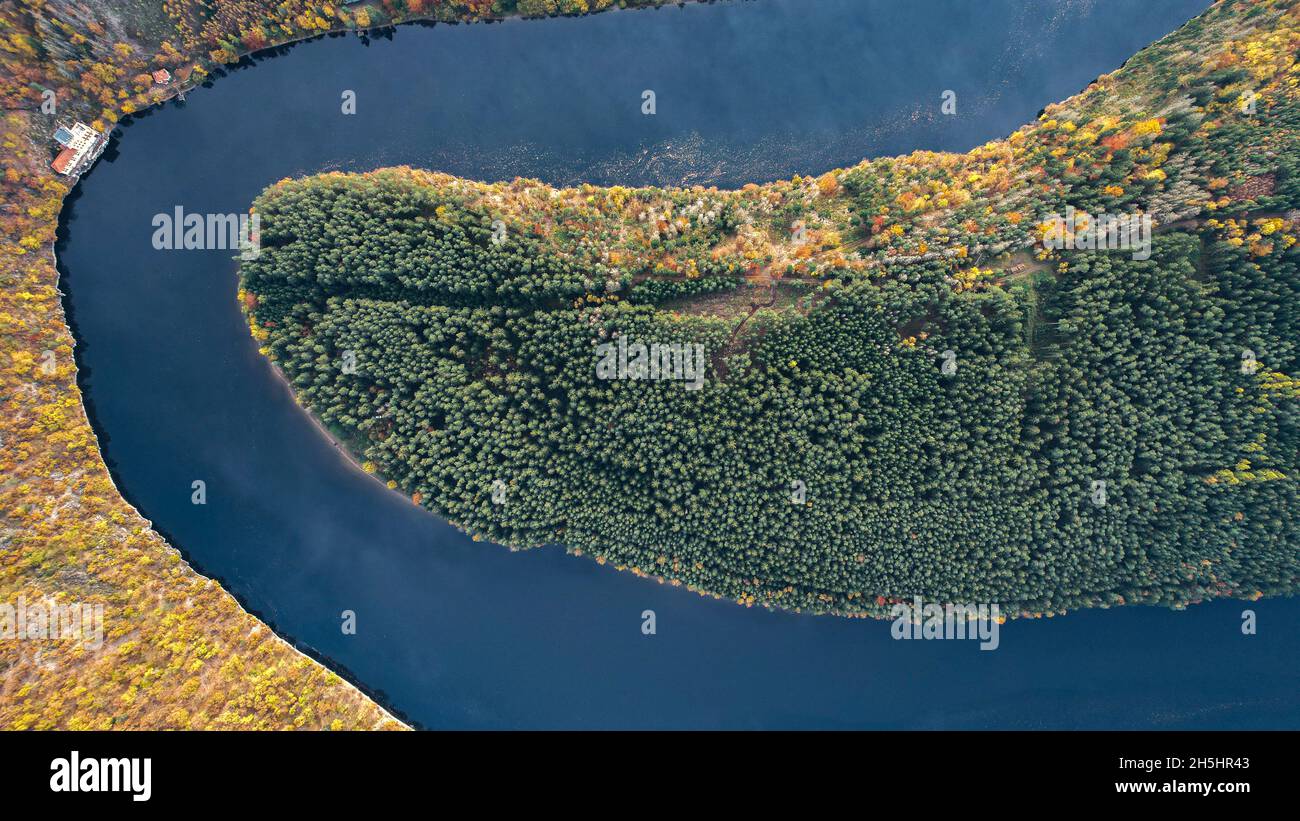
point(461, 634)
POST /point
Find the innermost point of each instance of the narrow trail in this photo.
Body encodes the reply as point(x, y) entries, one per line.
point(732, 345)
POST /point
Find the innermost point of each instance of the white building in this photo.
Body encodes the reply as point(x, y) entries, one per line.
point(78, 142)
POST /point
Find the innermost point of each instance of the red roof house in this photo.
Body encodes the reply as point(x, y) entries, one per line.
point(64, 160)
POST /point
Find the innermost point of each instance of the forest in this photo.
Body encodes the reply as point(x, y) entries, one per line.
point(909, 392)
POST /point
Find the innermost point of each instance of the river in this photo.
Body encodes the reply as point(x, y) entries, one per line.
point(453, 633)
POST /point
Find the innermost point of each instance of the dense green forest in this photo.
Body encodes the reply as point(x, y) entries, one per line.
point(907, 394)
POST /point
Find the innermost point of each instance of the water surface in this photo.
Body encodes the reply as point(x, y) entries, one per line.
point(454, 633)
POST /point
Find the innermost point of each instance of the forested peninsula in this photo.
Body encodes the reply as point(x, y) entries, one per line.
point(916, 383)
